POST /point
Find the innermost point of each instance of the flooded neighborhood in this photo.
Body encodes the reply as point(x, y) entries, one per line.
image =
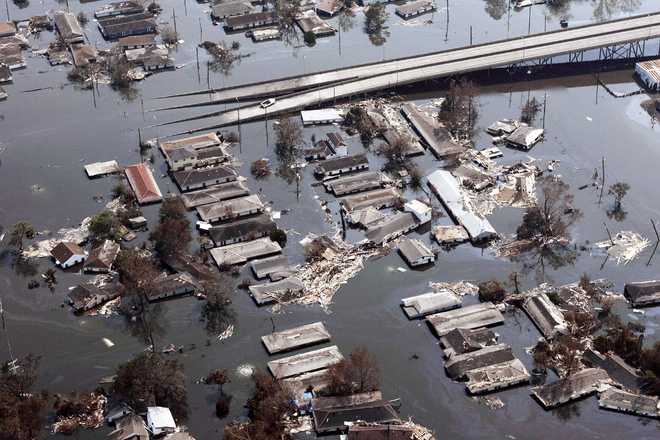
point(332, 219)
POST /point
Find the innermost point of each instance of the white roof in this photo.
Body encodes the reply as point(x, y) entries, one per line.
point(416, 207)
point(447, 188)
point(324, 114)
point(159, 417)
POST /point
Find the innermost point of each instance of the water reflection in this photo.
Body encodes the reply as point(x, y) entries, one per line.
point(605, 9)
point(496, 8)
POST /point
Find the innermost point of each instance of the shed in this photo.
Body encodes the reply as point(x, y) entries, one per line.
point(143, 184)
point(296, 338)
point(415, 252)
point(427, 303)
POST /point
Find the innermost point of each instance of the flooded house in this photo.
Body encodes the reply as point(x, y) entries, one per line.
point(7, 29)
point(68, 27)
point(215, 193)
point(496, 377)
point(5, 73)
point(623, 401)
point(296, 338)
point(545, 315)
point(339, 147)
point(136, 42)
point(470, 317)
point(250, 21)
point(270, 267)
point(143, 184)
point(87, 296)
point(389, 431)
point(461, 340)
point(320, 151)
point(415, 8)
point(98, 169)
point(365, 218)
point(450, 235)
point(575, 386)
point(83, 54)
point(67, 254)
point(447, 189)
point(130, 427)
point(265, 34)
point(119, 8)
point(239, 253)
point(433, 134)
point(113, 28)
point(525, 137)
point(643, 294)
point(328, 8)
point(355, 183)
point(342, 165)
point(102, 257)
point(11, 55)
point(420, 210)
point(377, 198)
point(242, 230)
point(336, 414)
point(199, 178)
point(170, 286)
point(649, 73)
point(299, 386)
point(155, 57)
point(425, 304)
point(231, 209)
point(224, 10)
point(321, 116)
point(305, 362)
point(415, 252)
point(200, 141)
point(309, 21)
point(269, 293)
point(160, 420)
point(458, 365)
point(391, 227)
point(617, 368)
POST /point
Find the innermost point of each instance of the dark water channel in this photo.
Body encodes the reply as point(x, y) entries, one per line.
point(46, 136)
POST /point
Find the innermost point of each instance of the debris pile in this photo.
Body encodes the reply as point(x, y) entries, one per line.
point(624, 247)
point(41, 249)
point(460, 288)
point(85, 411)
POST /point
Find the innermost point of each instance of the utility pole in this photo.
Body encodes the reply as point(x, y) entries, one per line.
point(529, 22)
point(240, 135)
point(199, 78)
point(266, 125)
point(470, 35)
point(185, 7)
point(174, 18)
point(447, 26)
point(545, 99)
point(7, 7)
point(201, 38)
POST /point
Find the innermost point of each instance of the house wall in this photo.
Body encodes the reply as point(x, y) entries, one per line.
point(76, 259)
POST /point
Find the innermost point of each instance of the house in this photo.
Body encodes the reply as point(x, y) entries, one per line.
point(450, 235)
point(67, 254)
point(160, 420)
point(309, 21)
point(231, 209)
point(88, 296)
point(249, 21)
point(321, 116)
point(221, 11)
point(11, 55)
point(458, 365)
point(68, 27)
point(337, 144)
point(496, 377)
point(200, 141)
point(447, 189)
point(198, 178)
point(336, 414)
point(342, 165)
point(102, 257)
point(295, 338)
point(415, 252)
point(113, 28)
point(168, 286)
point(427, 303)
point(461, 340)
point(242, 230)
point(328, 7)
point(643, 294)
point(136, 42)
point(623, 401)
point(130, 427)
point(649, 73)
point(391, 227)
point(389, 431)
point(271, 33)
point(143, 184)
point(83, 54)
point(97, 169)
point(7, 28)
point(269, 293)
point(320, 151)
point(525, 137)
point(119, 8)
point(239, 253)
point(270, 266)
point(415, 8)
point(618, 370)
point(573, 387)
point(190, 157)
point(434, 134)
point(354, 183)
point(420, 210)
point(5, 73)
point(545, 315)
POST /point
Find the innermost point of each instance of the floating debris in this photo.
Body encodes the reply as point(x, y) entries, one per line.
point(491, 402)
point(245, 370)
point(228, 333)
point(460, 288)
point(624, 247)
point(90, 409)
point(107, 342)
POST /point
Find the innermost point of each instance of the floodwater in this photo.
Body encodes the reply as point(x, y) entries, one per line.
point(47, 135)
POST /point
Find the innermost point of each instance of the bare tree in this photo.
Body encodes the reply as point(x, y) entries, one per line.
point(20, 231)
point(530, 111)
point(359, 373)
point(460, 110)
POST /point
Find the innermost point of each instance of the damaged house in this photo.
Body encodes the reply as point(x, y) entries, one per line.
point(470, 317)
point(336, 414)
point(573, 387)
point(68, 27)
point(545, 315)
point(239, 253)
point(242, 230)
point(643, 294)
point(102, 257)
point(87, 296)
point(67, 254)
point(391, 227)
point(415, 253)
point(428, 303)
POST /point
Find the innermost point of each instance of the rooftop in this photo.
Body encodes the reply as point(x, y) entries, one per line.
point(242, 229)
point(268, 293)
point(378, 198)
point(305, 362)
point(229, 209)
point(545, 315)
point(414, 250)
point(498, 376)
point(390, 227)
point(239, 253)
point(358, 161)
point(469, 317)
point(200, 176)
point(102, 257)
point(215, 193)
point(421, 305)
point(458, 365)
point(644, 293)
point(143, 183)
point(459, 340)
point(199, 141)
point(295, 338)
point(573, 387)
point(65, 250)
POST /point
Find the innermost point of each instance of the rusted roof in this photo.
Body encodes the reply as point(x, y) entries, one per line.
point(143, 183)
